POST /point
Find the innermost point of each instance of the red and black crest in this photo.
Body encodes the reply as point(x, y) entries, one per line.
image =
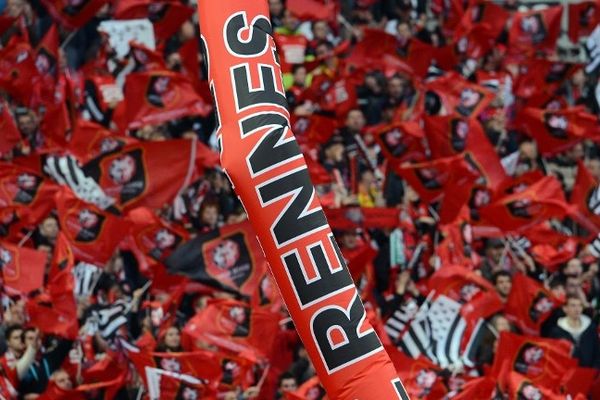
point(228, 260)
point(121, 175)
point(23, 187)
point(528, 391)
point(523, 208)
point(530, 360)
point(533, 26)
point(235, 321)
point(459, 133)
point(468, 101)
point(84, 225)
point(540, 306)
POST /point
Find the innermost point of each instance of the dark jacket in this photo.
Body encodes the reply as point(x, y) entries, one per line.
point(586, 349)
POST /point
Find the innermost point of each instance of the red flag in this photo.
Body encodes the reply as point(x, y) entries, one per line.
point(529, 304)
point(90, 140)
point(460, 96)
point(349, 218)
point(517, 386)
point(579, 380)
point(46, 55)
point(147, 174)
point(478, 388)
point(340, 98)
point(421, 378)
point(543, 361)
point(155, 97)
point(448, 180)
point(166, 16)
point(402, 141)
point(146, 59)
point(480, 26)
point(583, 18)
point(421, 55)
point(557, 131)
point(583, 197)
point(451, 135)
point(22, 187)
point(93, 234)
point(10, 134)
point(22, 268)
point(153, 239)
point(371, 49)
point(313, 10)
point(235, 326)
point(17, 70)
point(73, 14)
point(527, 206)
point(538, 80)
point(534, 30)
point(315, 129)
point(228, 258)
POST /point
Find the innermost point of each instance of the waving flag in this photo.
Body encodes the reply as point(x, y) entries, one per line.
point(228, 258)
point(22, 268)
point(166, 16)
point(73, 14)
point(529, 304)
point(537, 29)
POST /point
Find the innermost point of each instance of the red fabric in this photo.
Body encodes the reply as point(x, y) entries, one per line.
point(92, 233)
point(402, 141)
point(147, 174)
point(536, 29)
point(543, 361)
point(349, 218)
point(234, 326)
point(73, 16)
point(313, 9)
point(159, 96)
point(292, 49)
point(420, 377)
point(90, 140)
point(529, 304)
point(22, 268)
point(166, 16)
point(451, 135)
point(583, 18)
point(17, 70)
point(460, 96)
point(479, 27)
point(557, 131)
point(22, 187)
point(542, 200)
point(10, 134)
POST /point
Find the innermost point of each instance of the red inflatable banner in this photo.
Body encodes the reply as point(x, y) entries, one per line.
point(264, 162)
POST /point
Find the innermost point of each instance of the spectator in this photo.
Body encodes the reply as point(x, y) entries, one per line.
point(503, 283)
point(579, 329)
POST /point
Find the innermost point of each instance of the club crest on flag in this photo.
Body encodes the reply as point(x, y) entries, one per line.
point(84, 225)
point(469, 100)
point(428, 177)
point(533, 25)
point(235, 321)
point(162, 240)
point(44, 62)
point(540, 306)
point(425, 379)
point(523, 208)
point(529, 360)
point(170, 364)
point(24, 188)
point(125, 176)
point(528, 391)
point(226, 261)
point(459, 131)
point(160, 92)
point(556, 125)
point(230, 371)
point(109, 144)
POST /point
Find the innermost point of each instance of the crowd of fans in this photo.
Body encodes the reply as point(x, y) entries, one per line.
point(347, 100)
